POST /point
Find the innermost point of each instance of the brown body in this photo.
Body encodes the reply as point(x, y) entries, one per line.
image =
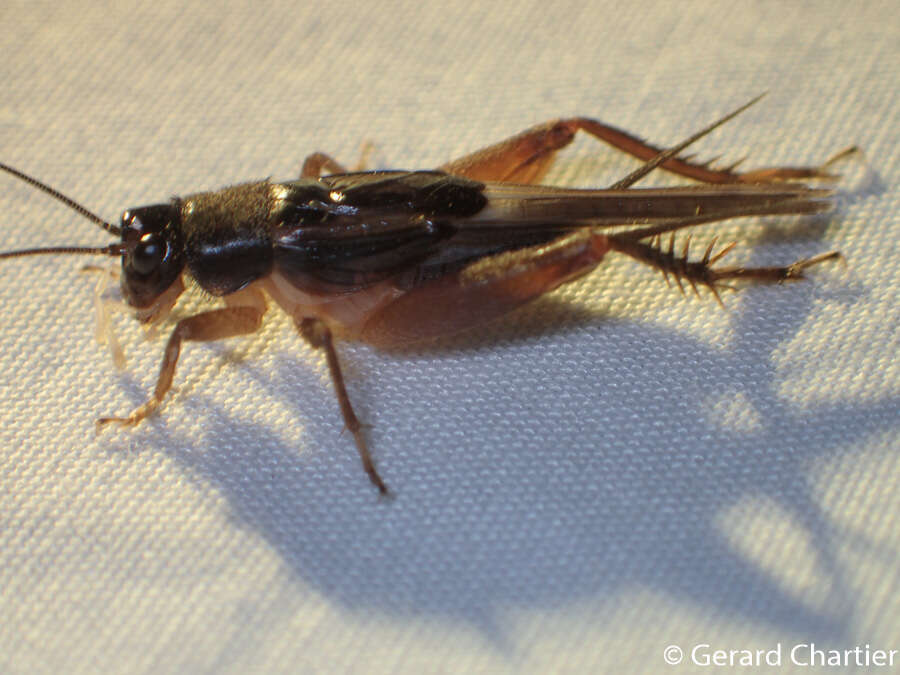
point(394, 257)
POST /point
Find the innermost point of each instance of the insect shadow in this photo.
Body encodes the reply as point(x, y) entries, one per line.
point(530, 490)
point(578, 496)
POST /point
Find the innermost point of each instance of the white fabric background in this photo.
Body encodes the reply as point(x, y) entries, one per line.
point(610, 471)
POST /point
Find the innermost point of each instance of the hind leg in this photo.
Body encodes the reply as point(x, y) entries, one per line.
point(484, 290)
point(526, 157)
point(680, 267)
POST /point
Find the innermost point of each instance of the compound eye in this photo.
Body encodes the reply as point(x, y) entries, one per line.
point(148, 254)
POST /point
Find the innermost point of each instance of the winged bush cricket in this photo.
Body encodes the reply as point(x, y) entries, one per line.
point(391, 257)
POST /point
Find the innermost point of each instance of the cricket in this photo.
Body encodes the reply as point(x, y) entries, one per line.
point(392, 257)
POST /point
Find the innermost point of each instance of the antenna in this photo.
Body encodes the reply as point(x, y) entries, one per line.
point(111, 250)
point(68, 201)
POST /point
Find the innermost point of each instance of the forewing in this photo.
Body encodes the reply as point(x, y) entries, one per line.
point(526, 205)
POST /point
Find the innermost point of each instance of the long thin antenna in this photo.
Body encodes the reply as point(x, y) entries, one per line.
point(68, 201)
point(666, 155)
point(111, 250)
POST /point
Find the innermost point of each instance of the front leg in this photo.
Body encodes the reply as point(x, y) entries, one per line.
point(319, 336)
point(216, 324)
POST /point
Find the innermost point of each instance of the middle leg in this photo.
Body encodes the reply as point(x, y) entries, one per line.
point(321, 164)
point(318, 334)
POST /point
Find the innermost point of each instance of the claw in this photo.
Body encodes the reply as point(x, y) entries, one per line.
point(795, 271)
point(135, 417)
point(120, 421)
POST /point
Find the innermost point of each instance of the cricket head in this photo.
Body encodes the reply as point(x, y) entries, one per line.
point(152, 253)
point(151, 250)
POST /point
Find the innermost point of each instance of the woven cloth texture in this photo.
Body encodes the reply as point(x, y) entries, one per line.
point(611, 470)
